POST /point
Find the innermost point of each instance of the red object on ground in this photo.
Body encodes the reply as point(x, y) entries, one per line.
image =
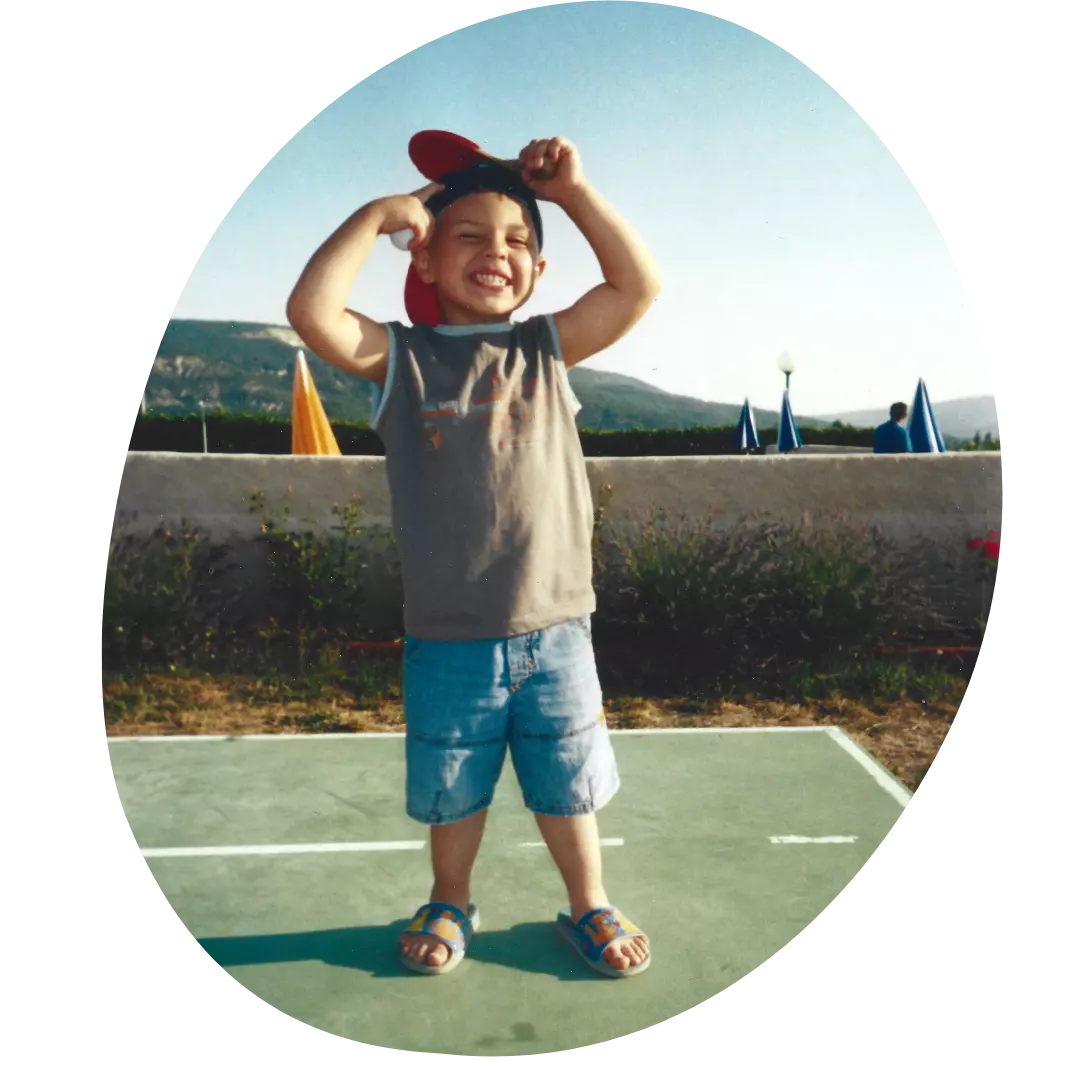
point(975, 543)
point(941, 649)
point(991, 549)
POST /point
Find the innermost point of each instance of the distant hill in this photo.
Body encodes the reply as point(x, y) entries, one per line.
point(248, 367)
point(611, 402)
point(959, 418)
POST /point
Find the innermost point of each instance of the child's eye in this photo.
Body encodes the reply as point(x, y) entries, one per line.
point(515, 241)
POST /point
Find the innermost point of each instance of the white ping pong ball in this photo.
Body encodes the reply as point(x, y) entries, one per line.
point(401, 239)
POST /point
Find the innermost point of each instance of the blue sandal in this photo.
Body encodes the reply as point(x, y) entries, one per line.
point(450, 925)
point(594, 932)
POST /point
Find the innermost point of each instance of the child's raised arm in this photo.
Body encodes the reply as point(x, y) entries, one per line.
point(631, 282)
point(317, 306)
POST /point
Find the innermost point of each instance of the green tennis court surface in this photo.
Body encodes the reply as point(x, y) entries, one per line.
point(292, 862)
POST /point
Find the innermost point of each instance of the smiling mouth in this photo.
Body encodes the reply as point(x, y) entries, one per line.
point(491, 281)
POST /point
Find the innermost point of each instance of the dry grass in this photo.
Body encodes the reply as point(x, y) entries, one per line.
point(903, 735)
point(235, 705)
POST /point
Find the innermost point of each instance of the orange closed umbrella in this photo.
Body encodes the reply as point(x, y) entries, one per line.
point(311, 431)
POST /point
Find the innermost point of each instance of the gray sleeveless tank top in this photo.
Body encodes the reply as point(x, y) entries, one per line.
point(488, 491)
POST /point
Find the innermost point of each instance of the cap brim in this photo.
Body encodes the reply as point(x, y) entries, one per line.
point(436, 153)
point(421, 302)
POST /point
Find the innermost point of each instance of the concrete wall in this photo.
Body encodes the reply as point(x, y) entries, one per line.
point(930, 501)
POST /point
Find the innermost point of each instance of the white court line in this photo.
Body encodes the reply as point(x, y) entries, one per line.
point(402, 845)
point(713, 730)
point(812, 839)
point(881, 775)
point(282, 849)
point(159, 739)
point(317, 849)
point(259, 738)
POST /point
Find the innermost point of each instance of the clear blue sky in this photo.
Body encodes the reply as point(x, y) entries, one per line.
point(778, 219)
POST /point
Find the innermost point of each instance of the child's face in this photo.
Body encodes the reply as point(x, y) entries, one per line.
point(482, 259)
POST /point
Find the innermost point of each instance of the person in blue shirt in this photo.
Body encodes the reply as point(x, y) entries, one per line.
point(892, 437)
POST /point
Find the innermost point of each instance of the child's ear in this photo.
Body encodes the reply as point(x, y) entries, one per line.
point(539, 267)
point(421, 259)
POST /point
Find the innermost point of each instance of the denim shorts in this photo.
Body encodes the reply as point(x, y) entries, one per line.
point(536, 693)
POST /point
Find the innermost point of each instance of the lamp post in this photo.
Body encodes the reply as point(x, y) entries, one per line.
point(788, 437)
point(202, 413)
point(785, 363)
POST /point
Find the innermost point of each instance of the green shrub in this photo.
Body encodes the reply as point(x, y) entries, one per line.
point(758, 595)
point(683, 606)
point(161, 605)
point(316, 579)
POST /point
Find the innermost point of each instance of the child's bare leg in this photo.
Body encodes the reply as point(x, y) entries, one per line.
point(453, 853)
point(574, 843)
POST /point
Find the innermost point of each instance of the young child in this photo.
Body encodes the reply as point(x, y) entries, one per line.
point(493, 517)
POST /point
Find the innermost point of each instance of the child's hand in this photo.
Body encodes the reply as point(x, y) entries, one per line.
point(552, 168)
point(409, 212)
